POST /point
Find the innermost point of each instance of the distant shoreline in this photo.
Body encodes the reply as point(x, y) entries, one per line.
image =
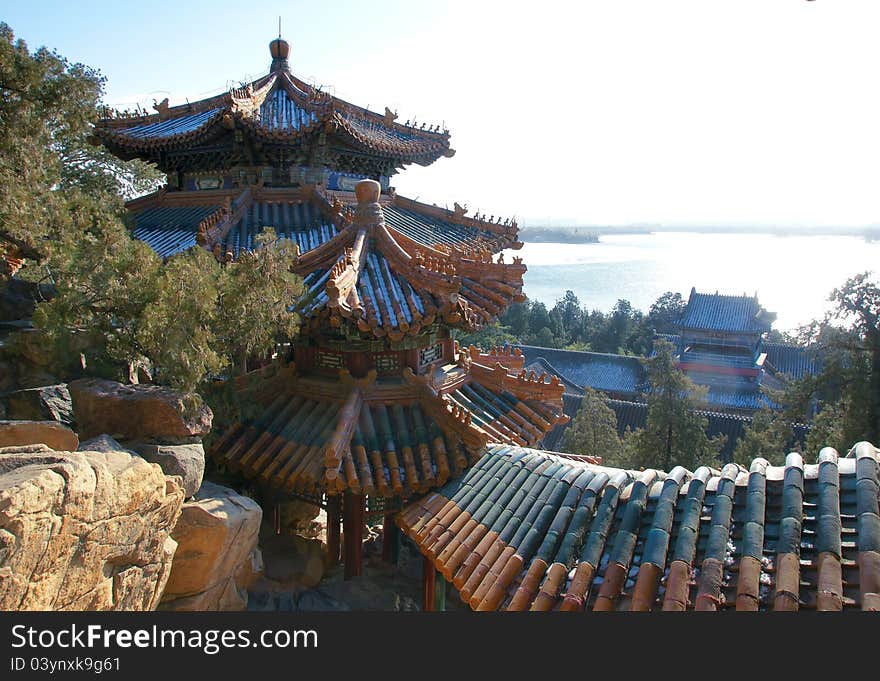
point(592, 234)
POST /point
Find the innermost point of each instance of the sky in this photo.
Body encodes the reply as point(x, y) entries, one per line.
point(610, 112)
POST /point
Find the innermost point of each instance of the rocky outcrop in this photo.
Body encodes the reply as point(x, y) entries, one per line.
point(84, 530)
point(138, 412)
point(46, 403)
point(187, 461)
point(49, 433)
point(217, 557)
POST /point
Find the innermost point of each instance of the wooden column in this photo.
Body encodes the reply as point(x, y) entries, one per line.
point(334, 517)
point(390, 539)
point(353, 516)
point(276, 518)
point(429, 575)
point(439, 592)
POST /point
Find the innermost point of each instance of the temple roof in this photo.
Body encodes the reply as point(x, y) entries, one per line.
point(530, 530)
point(597, 370)
point(716, 312)
point(792, 360)
point(391, 266)
point(276, 109)
point(314, 435)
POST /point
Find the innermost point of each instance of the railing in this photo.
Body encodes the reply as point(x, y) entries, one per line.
point(693, 357)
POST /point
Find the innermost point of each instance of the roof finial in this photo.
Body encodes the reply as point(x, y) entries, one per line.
point(280, 50)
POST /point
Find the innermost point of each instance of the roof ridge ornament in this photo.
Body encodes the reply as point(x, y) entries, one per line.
point(280, 51)
point(368, 212)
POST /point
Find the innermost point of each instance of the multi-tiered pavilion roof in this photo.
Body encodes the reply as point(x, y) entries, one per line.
point(276, 125)
point(376, 398)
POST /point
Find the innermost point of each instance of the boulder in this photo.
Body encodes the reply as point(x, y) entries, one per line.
point(187, 461)
point(49, 433)
point(84, 530)
point(297, 517)
point(137, 412)
point(217, 536)
point(46, 403)
point(292, 560)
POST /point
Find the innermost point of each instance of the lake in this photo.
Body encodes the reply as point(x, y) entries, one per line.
point(792, 275)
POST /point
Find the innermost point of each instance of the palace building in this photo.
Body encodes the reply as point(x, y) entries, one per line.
point(721, 344)
point(378, 409)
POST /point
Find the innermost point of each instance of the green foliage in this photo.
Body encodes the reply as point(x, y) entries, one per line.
point(188, 319)
point(675, 434)
point(487, 337)
point(104, 283)
point(46, 111)
point(115, 304)
point(255, 296)
point(829, 428)
point(857, 303)
point(593, 431)
point(764, 437)
point(572, 326)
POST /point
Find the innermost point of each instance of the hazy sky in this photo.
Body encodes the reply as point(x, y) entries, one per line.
point(605, 112)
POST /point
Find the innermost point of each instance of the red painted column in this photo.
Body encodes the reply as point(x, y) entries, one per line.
point(334, 517)
point(388, 531)
point(353, 515)
point(429, 576)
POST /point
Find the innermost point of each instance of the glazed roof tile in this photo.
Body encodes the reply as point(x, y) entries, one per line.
point(388, 438)
point(363, 271)
point(172, 229)
point(279, 108)
point(430, 230)
point(600, 371)
point(792, 360)
point(279, 111)
point(526, 529)
point(715, 312)
point(173, 127)
point(299, 220)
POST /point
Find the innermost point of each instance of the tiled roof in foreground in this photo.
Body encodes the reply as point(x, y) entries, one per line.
point(530, 530)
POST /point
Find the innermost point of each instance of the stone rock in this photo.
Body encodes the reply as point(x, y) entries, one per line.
point(357, 593)
point(137, 412)
point(46, 403)
point(187, 461)
point(7, 381)
point(102, 443)
point(33, 377)
point(319, 600)
point(217, 536)
point(49, 433)
point(84, 530)
point(18, 298)
point(293, 560)
point(297, 518)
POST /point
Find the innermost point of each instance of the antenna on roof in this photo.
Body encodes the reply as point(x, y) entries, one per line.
point(279, 27)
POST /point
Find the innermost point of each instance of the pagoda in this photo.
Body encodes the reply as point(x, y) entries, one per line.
point(376, 403)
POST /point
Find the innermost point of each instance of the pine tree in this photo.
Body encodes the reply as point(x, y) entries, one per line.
point(593, 431)
point(115, 303)
point(675, 434)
